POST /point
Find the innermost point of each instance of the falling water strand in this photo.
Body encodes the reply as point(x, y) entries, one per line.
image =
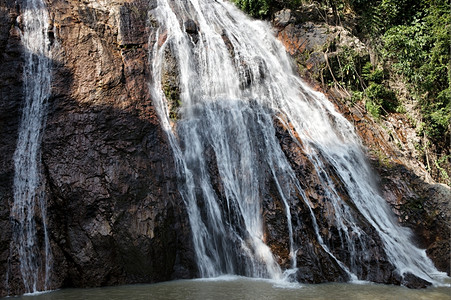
point(28, 213)
point(234, 78)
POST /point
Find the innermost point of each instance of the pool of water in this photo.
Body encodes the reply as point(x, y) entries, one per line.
point(230, 288)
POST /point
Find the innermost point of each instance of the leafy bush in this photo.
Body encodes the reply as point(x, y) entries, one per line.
point(263, 8)
point(373, 108)
point(255, 8)
point(380, 100)
point(420, 51)
point(370, 74)
point(379, 15)
point(346, 66)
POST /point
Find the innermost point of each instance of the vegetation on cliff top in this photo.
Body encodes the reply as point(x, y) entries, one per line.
point(411, 41)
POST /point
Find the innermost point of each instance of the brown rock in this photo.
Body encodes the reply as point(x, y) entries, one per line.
point(368, 260)
point(416, 199)
point(115, 215)
point(11, 63)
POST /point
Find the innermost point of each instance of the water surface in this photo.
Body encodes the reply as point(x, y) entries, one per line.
point(239, 288)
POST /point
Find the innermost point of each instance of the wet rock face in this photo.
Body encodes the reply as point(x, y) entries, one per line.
point(192, 29)
point(11, 63)
point(413, 282)
point(115, 215)
point(416, 199)
point(315, 41)
point(364, 256)
point(114, 194)
point(109, 166)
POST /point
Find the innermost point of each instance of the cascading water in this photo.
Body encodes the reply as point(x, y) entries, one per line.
point(29, 199)
point(233, 80)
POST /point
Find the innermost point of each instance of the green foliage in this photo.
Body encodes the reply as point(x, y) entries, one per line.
point(382, 158)
point(373, 108)
point(293, 4)
point(415, 38)
point(370, 74)
point(346, 67)
point(441, 165)
point(410, 39)
point(356, 96)
point(379, 100)
point(379, 15)
point(172, 94)
point(349, 66)
point(255, 8)
point(404, 46)
point(263, 8)
point(420, 51)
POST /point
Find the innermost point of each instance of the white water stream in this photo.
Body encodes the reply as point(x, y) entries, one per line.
point(29, 198)
point(229, 96)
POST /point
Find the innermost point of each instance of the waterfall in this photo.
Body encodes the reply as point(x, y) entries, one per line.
point(219, 80)
point(28, 213)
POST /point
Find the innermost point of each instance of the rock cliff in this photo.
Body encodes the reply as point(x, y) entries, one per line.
point(115, 214)
point(309, 34)
point(10, 92)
